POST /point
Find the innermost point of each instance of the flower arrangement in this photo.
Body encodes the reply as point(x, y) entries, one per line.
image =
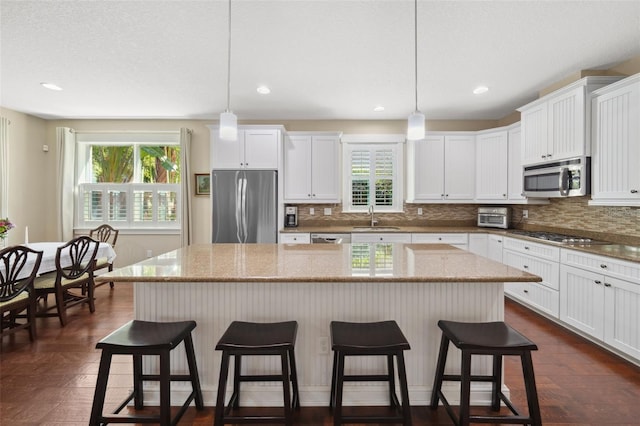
point(5, 226)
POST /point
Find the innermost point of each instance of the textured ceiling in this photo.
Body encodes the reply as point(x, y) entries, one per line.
point(325, 59)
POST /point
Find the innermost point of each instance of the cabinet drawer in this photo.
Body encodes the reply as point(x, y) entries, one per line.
point(381, 238)
point(428, 238)
point(544, 251)
point(549, 271)
point(601, 264)
point(297, 238)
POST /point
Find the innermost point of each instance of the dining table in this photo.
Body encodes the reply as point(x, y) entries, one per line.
point(49, 250)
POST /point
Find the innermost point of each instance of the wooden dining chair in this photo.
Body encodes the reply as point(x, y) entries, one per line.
point(105, 234)
point(75, 263)
point(18, 268)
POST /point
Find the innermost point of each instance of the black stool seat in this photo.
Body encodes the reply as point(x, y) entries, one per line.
point(383, 338)
point(138, 338)
point(490, 338)
point(250, 338)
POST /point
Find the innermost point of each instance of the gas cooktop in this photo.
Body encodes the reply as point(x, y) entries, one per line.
point(559, 238)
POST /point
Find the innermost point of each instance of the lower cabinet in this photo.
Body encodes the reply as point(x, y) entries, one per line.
point(391, 237)
point(295, 238)
point(460, 240)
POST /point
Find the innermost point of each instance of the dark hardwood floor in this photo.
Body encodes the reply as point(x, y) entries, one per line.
point(51, 381)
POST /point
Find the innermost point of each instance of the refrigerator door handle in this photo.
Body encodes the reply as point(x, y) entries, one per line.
point(244, 210)
point(239, 207)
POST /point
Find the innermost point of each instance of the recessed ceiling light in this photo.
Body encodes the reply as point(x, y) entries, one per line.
point(480, 90)
point(51, 86)
point(379, 108)
point(263, 90)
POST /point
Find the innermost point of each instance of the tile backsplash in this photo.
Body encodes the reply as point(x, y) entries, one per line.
point(574, 215)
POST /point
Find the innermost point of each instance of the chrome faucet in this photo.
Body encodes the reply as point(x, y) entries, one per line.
point(373, 221)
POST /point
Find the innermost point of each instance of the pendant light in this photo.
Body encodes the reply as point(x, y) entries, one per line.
point(415, 123)
point(228, 120)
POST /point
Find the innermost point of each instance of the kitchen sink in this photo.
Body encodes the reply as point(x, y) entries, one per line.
point(375, 228)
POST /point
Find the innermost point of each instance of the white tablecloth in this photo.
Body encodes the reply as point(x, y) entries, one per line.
point(49, 249)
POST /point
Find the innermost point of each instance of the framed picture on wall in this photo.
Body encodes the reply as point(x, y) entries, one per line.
point(203, 184)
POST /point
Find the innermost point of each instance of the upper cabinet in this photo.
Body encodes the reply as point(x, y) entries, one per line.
point(555, 127)
point(441, 168)
point(491, 165)
point(616, 144)
point(515, 191)
point(257, 147)
point(312, 167)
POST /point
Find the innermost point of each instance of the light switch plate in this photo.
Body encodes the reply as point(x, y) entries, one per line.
point(312, 211)
point(327, 211)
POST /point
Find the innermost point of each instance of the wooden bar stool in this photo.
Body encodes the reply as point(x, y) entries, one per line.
point(490, 338)
point(250, 338)
point(369, 339)
point(140, 338)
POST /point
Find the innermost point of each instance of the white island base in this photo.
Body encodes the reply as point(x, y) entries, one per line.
point(416, 306)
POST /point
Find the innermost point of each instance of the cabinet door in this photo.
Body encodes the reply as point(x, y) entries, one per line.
point(514, 165)
point(544, 298)
point(325, 169)
point(491, 173)
point(261, 149)
point(494, 247)
point(227, 154)
point(429, 168)
point(534, 134)
point(622, 315)
point(295, 238)
point(478, 244)
point(547, 270)
point(616, 150)
point(566, 115)
point(582, 300)
point(297, 169)
point(459, 167)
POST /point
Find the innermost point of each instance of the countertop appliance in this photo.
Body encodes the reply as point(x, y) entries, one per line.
point(559, 238)
point(290, 216)
point(330, 238)
point(494, 217)
point(568, 178)
point(244, 206)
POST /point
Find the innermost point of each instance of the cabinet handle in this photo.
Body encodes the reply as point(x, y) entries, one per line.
point(526, 291)
point(504, 195)
point(634, 191)
point(309, 195)
point(381, 238)
point(526, 247)
point(543, 156)
point(313, 195)
point(525, 266)
point(446, 195)
point(548, 155)
point(603, 266)
point(439, 238)
point(598, 282)
point(499, 241)
point(607, 285)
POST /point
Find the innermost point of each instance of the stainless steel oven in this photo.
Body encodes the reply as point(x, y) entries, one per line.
point(494, 217)
point(568, 178)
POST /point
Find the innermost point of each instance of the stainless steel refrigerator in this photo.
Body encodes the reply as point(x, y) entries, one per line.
point(244, 206)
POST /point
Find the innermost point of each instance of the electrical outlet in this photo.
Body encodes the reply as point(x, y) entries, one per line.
point(419, 211)
point(149, 253)
point(327, 211)
point(322, 345)
point(525, 214)
point(312, 211)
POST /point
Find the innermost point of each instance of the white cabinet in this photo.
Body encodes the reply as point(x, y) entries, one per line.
point(600, 296)
point(491, 165)
point(538, 259)
point(478, 244)
point(257, 147)
point(441, 168)
point(295, 238)
point(494, 247)
point(555, 127)
point(616, 144)
point(514, 164)
point(460, 240)
point(312, 167)
point(391, 237)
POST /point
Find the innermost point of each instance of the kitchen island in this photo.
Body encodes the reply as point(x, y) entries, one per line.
point(414, 284)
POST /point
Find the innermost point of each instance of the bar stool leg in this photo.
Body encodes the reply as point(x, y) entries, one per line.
point(334, 374)
point(101, 388)
point(530, 387)
point(294, 379)
point(286, 389)
point(391, 374)
point(404, 389)
point(496, 382)
point(222, 385)
point(237, 370)
point(337, 415)
point(193, 372)
point(138, 393)
point(165, 388)
point(442, 360)
point(465, 388)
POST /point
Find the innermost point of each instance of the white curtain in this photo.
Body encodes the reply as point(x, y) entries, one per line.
point(185, 171)
point(4, 167)
point(66, 149)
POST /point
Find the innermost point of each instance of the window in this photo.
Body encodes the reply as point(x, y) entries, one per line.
point(129, 180)
point(373, 175)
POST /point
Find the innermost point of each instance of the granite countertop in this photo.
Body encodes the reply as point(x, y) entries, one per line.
point(318, 263)
point(619, 251)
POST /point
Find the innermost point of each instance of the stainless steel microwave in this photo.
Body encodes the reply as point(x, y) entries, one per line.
point(567, 178)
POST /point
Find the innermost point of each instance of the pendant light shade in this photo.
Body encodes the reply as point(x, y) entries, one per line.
point(228, 120)
point(415, 128)
point(415, 123)
point(228, 126)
